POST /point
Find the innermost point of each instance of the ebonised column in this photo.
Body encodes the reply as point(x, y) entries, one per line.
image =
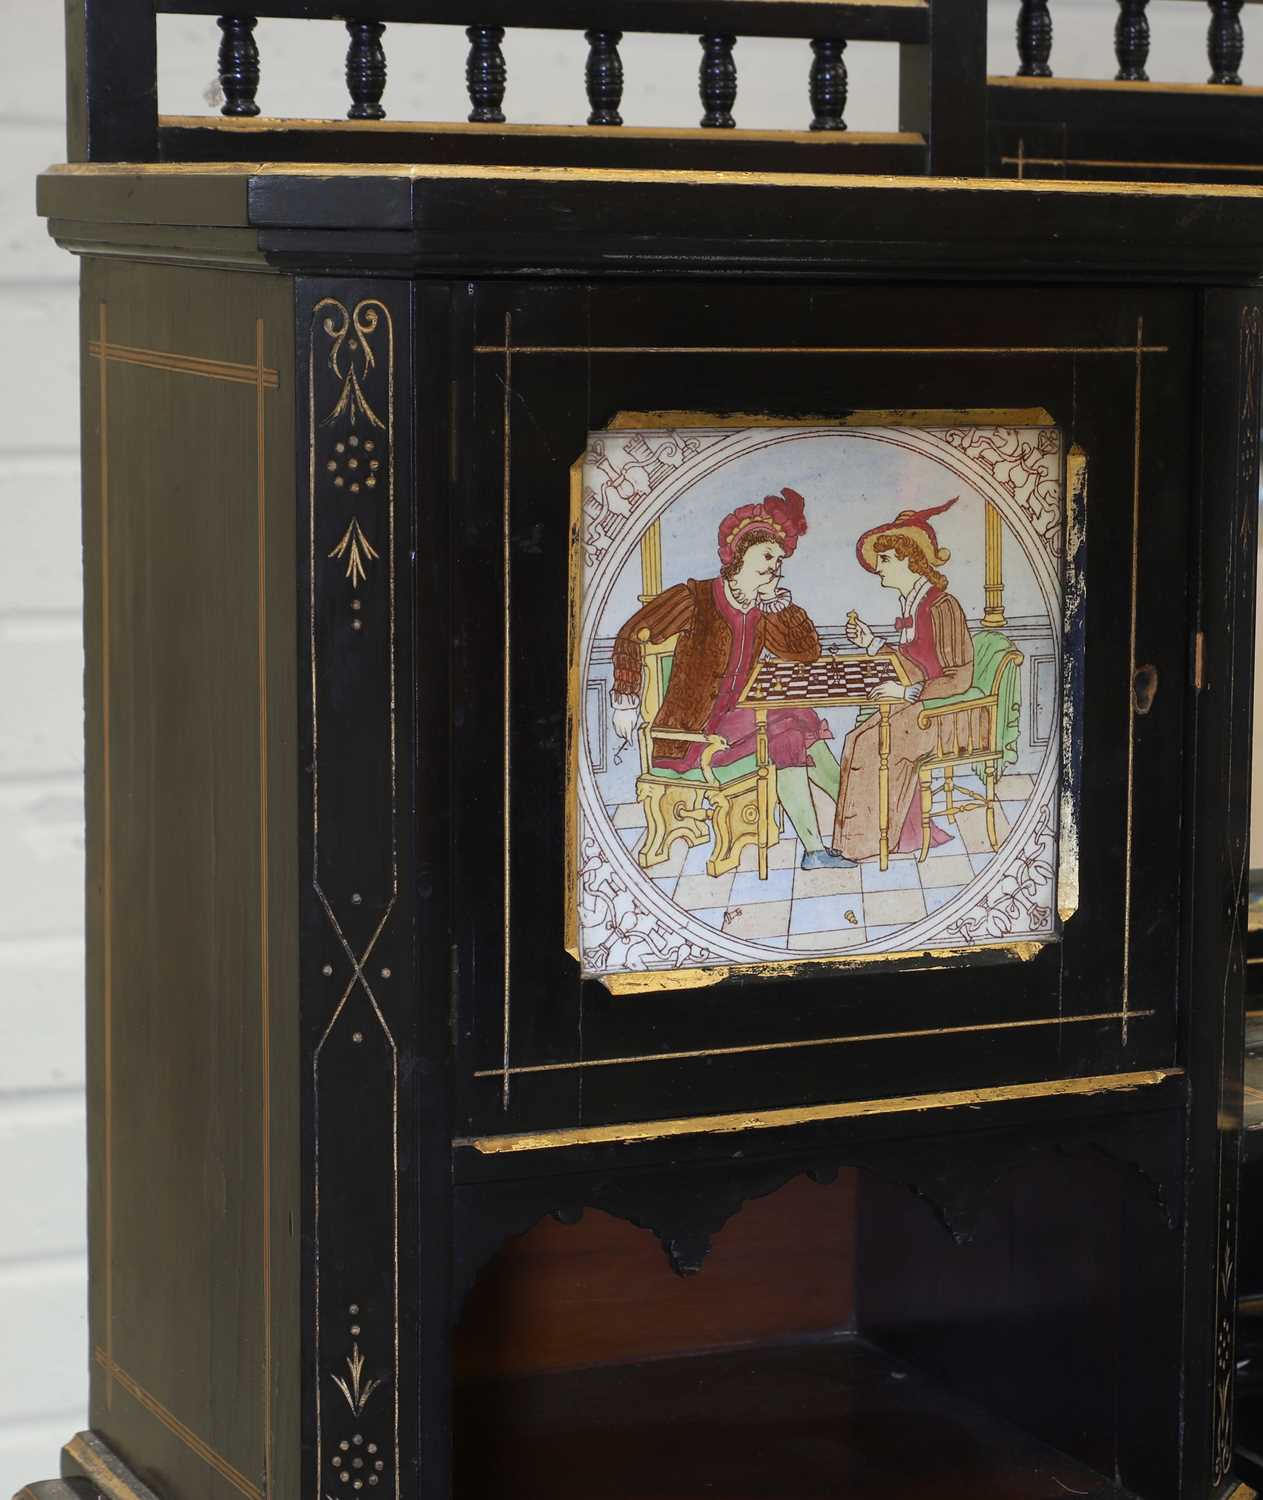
point(717, 81)
point(1225, 42)
point(828, 84)
point(365, 70)
point(1034, 39)
point(485, 74)
point(604, 77)
point(1131, 41)
point(239, 65)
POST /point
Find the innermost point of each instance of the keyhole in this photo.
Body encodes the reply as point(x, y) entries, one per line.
point(1144, 687)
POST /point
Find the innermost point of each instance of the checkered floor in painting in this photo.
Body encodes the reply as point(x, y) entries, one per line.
point(804, 910)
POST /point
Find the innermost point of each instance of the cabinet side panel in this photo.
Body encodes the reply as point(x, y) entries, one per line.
point(191, 900)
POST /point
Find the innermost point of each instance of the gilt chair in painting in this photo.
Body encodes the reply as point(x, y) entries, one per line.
point(722, 802)
point(977, 728)
point(719, 802)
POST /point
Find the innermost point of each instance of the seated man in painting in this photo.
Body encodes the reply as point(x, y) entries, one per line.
point(937, 653)
point(723, 625)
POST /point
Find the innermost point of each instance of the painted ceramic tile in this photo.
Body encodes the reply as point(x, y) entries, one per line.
point(818, 683)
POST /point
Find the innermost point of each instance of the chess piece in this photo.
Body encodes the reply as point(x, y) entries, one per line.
point(852, 618)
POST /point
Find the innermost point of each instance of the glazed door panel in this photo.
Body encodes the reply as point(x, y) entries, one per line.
point(602, 435)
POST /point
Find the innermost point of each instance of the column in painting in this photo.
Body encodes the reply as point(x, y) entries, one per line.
point(993, 616)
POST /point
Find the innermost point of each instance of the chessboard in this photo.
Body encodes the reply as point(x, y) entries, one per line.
point(840, 679)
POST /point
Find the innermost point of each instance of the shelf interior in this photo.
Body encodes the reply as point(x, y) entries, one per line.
point(821, 1417)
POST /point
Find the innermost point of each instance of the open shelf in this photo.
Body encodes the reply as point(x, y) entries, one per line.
point(822, 1417)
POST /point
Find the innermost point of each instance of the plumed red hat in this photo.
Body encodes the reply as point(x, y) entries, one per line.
point(915, 525)
point(778, 517)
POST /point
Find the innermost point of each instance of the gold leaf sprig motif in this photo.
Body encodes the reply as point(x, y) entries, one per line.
point(359, 1389)
point(352, 402)
point(358, 551)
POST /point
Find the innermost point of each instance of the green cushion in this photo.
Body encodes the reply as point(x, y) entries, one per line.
point(990, 648)
point(723, 774)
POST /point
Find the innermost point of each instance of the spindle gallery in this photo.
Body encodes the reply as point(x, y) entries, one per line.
point(668, 716)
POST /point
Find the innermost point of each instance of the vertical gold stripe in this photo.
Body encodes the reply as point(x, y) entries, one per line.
point(265, 996)
point(1131, 676)
point(107, 871)
point(508, 702)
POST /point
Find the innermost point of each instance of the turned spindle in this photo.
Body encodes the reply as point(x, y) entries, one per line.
point(604, 77)
point(717, 82)
point(1225, 42)
point(365, 70)
point(828, 84)
point(239, 65)
point(1131, 41)
point(485, 73)
point(1034, 39)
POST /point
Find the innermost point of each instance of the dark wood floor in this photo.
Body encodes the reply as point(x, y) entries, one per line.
point(815, 1420)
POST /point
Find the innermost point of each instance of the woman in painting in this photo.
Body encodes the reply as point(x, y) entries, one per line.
point(723, 626)
point(937, 654)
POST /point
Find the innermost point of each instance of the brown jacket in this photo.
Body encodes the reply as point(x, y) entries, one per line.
point(687, 610)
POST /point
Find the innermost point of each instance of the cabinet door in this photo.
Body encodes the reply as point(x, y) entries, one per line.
point(970, 506)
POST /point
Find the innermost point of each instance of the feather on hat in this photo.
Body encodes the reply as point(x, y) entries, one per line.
point(779, 517)
point(915, 525)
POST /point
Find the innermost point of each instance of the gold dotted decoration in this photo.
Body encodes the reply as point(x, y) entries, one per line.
point(357, 1439)
point(337, 1463)
point(372, 1448)
point(344, 1445)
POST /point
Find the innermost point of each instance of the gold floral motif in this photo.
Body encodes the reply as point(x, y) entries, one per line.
point(357, 549)
point(359, 1389)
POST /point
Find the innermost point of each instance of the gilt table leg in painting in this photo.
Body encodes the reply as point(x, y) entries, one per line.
point(765, 787)
point(883, 783)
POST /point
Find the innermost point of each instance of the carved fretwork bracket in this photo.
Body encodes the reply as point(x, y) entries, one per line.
point(686, 1207)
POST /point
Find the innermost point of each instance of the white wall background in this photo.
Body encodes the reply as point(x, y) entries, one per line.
point(43, 1332)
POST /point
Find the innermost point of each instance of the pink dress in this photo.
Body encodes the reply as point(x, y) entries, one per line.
point(791, 732)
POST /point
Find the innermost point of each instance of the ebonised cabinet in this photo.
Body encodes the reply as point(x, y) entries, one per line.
point(970, 1202)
